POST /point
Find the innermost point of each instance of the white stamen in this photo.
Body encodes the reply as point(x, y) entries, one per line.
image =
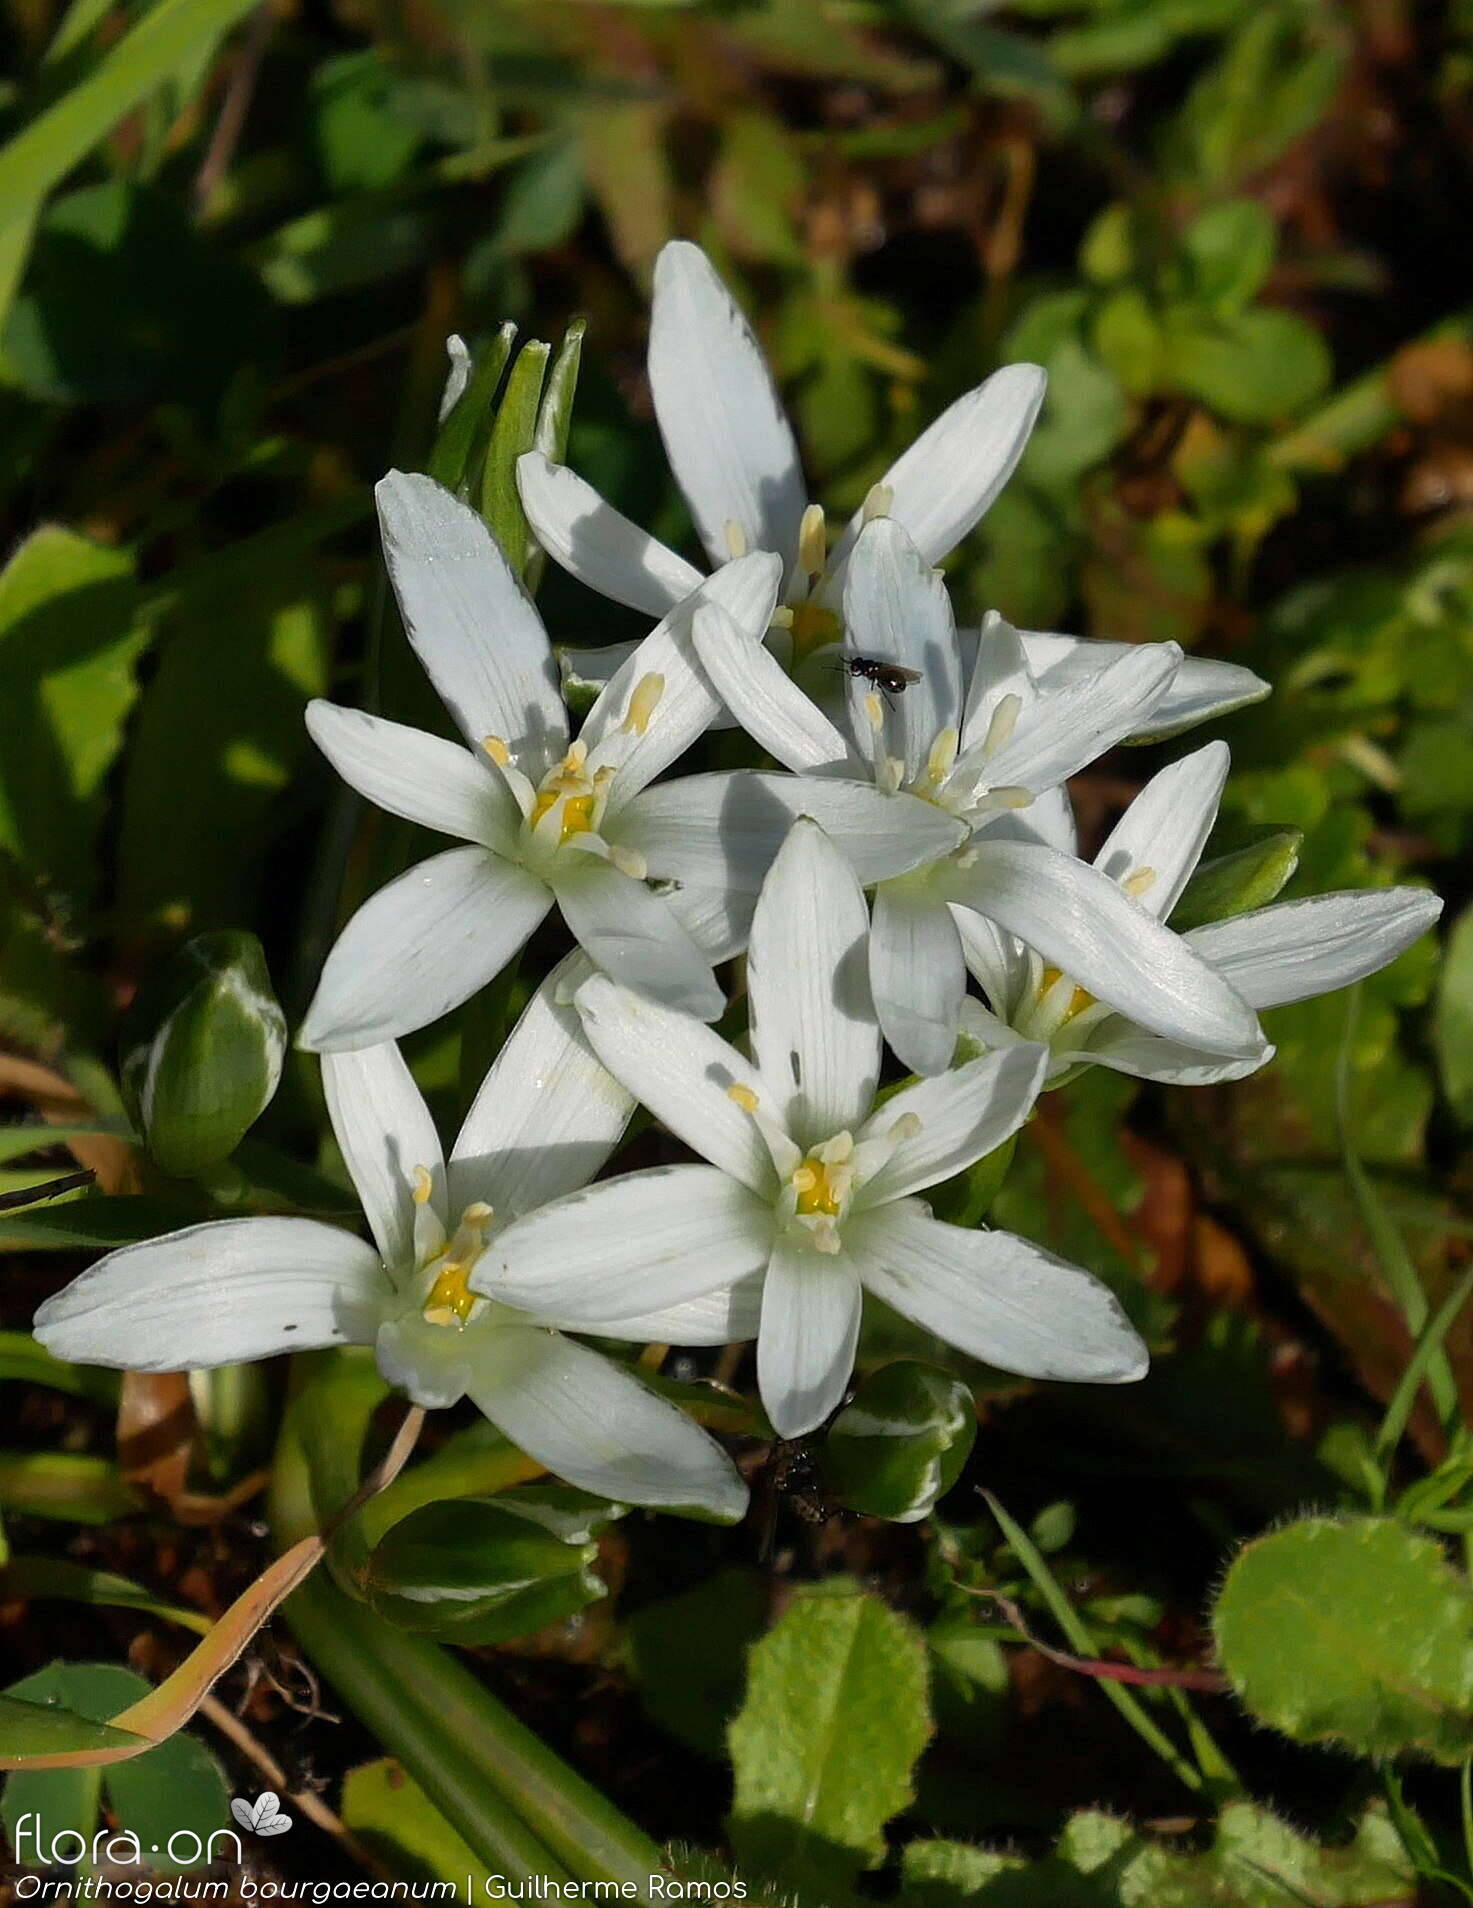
point(878, 502)
point(736, 539)
point(1000, 728)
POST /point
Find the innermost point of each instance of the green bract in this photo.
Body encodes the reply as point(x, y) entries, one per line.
point(202, 1048)
point(483, 1570)
point(901, 1442)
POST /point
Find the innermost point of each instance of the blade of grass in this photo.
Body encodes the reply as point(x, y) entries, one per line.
point(1386, 1242)
point(1080, 1639)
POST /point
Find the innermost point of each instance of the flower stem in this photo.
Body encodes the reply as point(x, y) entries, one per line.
point(520, 1807)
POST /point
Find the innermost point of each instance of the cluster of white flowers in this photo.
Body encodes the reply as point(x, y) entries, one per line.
point(931, 773)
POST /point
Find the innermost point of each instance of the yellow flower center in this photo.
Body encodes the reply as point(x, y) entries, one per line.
point(821, 1187)
point(577, 809)
point(450, 1300)
point(1079, 1000)
point(813, 627)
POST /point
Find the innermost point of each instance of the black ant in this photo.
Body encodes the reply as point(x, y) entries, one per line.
point(891, 679)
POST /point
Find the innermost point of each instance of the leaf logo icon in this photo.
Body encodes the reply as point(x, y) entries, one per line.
point(261, 1817)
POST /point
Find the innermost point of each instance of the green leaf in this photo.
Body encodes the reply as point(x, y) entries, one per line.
point(170, 36)
point(202, 1048)
point(1227, 253)
point(835, 1715)
point(1248, 877)
point(1251, 367)
point(126, 300)
point(475, 1570)
point(901, 1441)
point(68, 643)
point(23, 1359)
point(688, 1655)
point(1127, 336)
point(218, 740)
point(174, 1790)
point(1452, 1019)
point(71, 1486)
point(1306, 1637)
point(390, 1814)
point(1253, 1861)
point(78, 1583)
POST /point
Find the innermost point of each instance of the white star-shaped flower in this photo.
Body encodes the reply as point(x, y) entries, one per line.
point(1270, 956)
point(991, 749)
point(544, 1122)
point(808, 1198)
point(547, 820)
point(734, 457)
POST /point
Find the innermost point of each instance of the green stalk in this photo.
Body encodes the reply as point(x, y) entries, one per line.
point(519, 1806)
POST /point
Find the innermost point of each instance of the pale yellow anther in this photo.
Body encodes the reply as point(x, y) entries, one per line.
point(942, 759)
point(906, 1127)
point(629, 861)
point(743, 1096)
point(826, 1237)
point(498, 751)
point(424, 1185)
point(874, 711)
point(643, 702)
point(878, 502)
point(576, 756)
point(835, 1151)
point(805, 1179)
point(1004, 721)
point(892, 774)
point(736, 539)
point(1139, 883)
point(782, 617)
point(813, 541)
point(1009, 798)
point(477, 1213)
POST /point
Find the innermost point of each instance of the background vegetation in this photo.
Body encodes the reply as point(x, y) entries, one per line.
point(232, 244)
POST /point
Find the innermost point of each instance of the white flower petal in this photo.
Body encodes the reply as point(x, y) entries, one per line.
point(997, 960)
point(681, 1070)
point(747, 591)
point(1085, 926)
point(814, 1033)
point(421, 946)
point(963, 1115)
point(1201, 689)
point(639, 1243)
point(724, 830)
point(811, 1303)
point(1145, 1056)
point(218, 1294)
point(728, 1316)
point(476, 632)
point(896, 610)
point(422, 777)
point(1061, 731)
point(718, 920)
point(993, 1035)
point(725, 433)
point(765, 700)
point(995, 666)
point(629, 932)
point(917, 974)
point(1166, 827)
point(998, 1297)
point(952, 473)
point(547, 1115)
point(385, 1131)
point(592, 541)
point(597, 1426)
point(1297, 949)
